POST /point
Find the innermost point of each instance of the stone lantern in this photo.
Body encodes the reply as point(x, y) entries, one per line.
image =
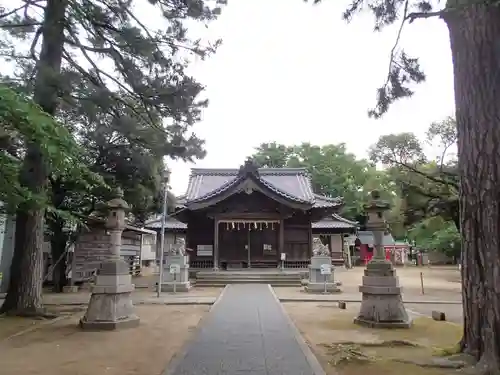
point(110, 306)
point(382, 305)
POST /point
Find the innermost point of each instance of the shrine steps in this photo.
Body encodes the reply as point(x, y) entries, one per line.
point(223, 278)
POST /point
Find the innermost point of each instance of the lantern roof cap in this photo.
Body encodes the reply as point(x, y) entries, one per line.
point(376, 203)
point(118, 202)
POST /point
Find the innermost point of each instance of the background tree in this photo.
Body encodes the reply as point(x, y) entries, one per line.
point(434, 233)
point(428, 187)
point(334, 171)
point(139, 79)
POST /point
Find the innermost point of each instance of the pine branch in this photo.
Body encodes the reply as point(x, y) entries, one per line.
point(424, 15)
point(426, 175)
point(10, 13)
point(34, 43)
point(20, 25)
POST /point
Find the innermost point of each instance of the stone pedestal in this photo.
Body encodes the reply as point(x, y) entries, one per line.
point(316, 282)
point(110, 306)
point(181, 280)
point(382, 305)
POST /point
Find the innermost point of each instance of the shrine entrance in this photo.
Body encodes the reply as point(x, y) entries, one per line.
point(248, 244)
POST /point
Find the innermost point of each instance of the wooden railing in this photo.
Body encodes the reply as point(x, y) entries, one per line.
point(201, 264)
point(297, 263)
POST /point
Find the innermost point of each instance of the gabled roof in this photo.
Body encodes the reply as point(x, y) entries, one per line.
point(171, 223)
point(366, 238)
point(288, 184)
point(335, 222)
point(101, 221)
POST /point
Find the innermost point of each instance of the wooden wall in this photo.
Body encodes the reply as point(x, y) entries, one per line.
point(200, 231)
point(298, 237)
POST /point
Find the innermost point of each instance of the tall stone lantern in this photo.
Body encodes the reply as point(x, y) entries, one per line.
point(110, 306)
point(382, 304)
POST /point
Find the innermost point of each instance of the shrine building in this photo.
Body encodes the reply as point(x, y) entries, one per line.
point(248, 217)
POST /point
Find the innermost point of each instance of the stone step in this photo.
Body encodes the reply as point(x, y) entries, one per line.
point(242, 281)
point(248, 274)
point(221, 283)
point(248, 277)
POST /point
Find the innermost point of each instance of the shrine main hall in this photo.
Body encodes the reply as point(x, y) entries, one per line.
point(248, 217)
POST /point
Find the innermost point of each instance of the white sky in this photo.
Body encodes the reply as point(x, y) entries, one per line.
point(292, 72)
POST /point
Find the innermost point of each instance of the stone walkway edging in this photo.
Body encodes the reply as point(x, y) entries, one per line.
point(137, 303)
point(181, 353)
point(180, 303)
point(147, 303)
point(416, 302)
point(310, 357)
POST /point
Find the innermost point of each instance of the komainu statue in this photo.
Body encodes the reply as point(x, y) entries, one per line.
point(319, 249)
point(179, 248)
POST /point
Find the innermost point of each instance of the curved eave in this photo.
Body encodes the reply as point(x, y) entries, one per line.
point(321, 201)
point(234, 186)
point(325, 206)
point(343, 219)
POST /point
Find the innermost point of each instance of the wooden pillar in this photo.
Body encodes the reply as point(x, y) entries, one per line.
point(216, 244)
point(309, 255)
point(281, 238)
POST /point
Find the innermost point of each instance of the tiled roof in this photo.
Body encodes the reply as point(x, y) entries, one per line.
point(321, 201)
point(171, 223)
point(334, 222)
point(366, 238)
point(291, 183)
point(101, 221)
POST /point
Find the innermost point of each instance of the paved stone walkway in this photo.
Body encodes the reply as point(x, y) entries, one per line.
point(246, 333)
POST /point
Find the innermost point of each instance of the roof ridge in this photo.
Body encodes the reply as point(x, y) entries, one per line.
point(340, 218)
point(326, 198)
point(235, 171)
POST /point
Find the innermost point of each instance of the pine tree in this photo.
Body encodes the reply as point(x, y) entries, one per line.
point(136, 74)
point(473, 27)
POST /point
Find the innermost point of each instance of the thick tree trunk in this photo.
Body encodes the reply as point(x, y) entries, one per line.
point(24, 296)
point(474, 35)
point(26, 272)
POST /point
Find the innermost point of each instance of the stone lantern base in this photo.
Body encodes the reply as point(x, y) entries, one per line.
point(110, 306)
point(382, 305)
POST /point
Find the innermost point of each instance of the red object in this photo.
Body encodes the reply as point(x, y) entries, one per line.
point(368, 255)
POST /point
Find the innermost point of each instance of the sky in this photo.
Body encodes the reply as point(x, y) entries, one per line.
point(291, 72)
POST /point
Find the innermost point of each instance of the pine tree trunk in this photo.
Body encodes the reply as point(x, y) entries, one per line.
point(24, 296)
point(474, 35)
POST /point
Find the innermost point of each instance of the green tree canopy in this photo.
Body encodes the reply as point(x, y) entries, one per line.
point(88, 62)
point(334, 171)
point(428, 187)
point(24, 122)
